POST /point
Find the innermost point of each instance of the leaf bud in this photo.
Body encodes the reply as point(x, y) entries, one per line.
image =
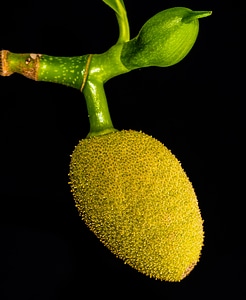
point(164, 40)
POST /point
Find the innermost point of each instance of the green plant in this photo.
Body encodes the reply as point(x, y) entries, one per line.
point(165, 220)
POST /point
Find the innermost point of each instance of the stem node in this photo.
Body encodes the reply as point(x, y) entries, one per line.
point(86, 72)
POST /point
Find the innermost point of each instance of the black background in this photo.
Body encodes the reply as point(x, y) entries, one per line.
point(195, 108)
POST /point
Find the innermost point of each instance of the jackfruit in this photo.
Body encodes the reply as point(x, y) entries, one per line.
point(132, 192)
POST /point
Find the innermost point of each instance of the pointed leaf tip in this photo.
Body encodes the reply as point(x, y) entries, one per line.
point(196, 15)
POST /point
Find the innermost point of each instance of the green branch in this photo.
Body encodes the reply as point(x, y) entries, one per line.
point(41, 67)
point(164, 40)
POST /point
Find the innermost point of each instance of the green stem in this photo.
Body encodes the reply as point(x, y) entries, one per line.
point(102, 67)
point(88, 73)
point(124, 30)
point(97, 107)
point(107, 65)
point(119, 7)
point(68, 71)
point(164, 40)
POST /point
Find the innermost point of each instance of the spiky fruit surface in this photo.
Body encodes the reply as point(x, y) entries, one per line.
point(132, 192)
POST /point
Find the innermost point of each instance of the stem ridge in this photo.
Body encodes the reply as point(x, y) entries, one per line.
point(86, 72)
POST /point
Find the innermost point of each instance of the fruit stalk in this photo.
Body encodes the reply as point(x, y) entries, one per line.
point(102, 67)
point(97, 107)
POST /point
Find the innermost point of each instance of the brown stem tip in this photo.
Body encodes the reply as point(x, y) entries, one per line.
point(4, 70)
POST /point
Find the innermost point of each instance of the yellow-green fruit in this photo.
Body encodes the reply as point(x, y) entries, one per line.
point(132, 192)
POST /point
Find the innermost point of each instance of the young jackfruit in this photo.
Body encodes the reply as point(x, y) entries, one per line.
point(132, 192)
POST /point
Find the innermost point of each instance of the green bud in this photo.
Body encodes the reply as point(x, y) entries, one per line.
point(164, 40)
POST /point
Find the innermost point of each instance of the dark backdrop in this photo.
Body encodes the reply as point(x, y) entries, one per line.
point(195, 108)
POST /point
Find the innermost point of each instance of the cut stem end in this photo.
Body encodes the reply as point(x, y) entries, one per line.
point(4, 68)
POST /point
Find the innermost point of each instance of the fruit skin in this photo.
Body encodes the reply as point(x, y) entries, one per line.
point(132, 192)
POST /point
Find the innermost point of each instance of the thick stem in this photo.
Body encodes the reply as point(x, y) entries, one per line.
point(64, 70)
point(97, 107)
point(68, 71)
point(87, 73)
point(107, 65)
point(100, 69)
